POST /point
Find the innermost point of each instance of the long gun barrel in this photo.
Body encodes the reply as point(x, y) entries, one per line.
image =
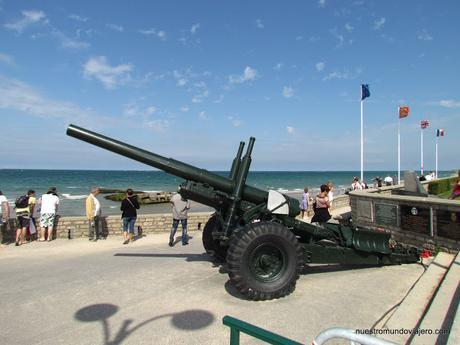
point(169, 165)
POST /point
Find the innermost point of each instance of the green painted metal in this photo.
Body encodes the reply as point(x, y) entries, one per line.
point(237, 326)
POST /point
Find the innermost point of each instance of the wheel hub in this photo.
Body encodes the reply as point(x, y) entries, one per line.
point(267, 262)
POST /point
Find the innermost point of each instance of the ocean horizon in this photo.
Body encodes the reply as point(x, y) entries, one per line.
point(73, 186)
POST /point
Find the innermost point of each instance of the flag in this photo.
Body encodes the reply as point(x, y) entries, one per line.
point(365, 91)
point(424, 124)
point(440, 132)
point(403, 112)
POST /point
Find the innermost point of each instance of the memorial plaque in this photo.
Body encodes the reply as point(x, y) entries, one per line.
point(364, 210)
point(386, 214)
point(415, 219)
point(448, 224)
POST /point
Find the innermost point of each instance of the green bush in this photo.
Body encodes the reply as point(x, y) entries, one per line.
point(441, 186)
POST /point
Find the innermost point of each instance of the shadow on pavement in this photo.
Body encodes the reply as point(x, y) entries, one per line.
point(188, 320)
point(332, 268)
point(187, 257)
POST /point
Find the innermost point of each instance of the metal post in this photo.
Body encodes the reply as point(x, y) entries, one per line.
point(436, 157)
point(234, 336)
point(421, 152)
point(362, 142)
point(399, 150)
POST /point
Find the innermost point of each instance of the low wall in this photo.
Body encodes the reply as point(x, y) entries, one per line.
point(429, 222)
point(111, 225)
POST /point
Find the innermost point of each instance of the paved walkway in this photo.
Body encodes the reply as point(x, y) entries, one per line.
point(78, 292)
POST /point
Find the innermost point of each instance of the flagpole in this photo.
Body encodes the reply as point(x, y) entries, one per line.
point(437, 155)
point(399, 149)
point(421, 151)
point(362, 143)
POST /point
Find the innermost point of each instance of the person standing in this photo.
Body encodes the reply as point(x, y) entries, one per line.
point(388, 180)
point(24, 209)
point(180, 208)
point(330, 192)
point(305, 201)
point(321, 206)
point(4, 215)
point(129, 207)
point(356, 185)
point(49, 204)
point(93, 213)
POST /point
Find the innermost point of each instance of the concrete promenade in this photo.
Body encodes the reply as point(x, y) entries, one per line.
point(79, 292)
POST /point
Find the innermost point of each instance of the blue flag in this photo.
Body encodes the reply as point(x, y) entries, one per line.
point(365, 91)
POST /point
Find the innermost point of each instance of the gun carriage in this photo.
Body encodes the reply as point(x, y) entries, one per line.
point(255, 231)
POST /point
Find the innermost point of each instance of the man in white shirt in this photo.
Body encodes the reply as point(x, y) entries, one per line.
point(388, 180)
point(93, 213)
point(49, 205)
point(180, 208)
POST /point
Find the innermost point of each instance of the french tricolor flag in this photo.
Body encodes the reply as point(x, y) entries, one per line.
point(440, 132)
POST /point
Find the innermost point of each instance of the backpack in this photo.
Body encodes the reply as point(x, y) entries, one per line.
point(22, 202)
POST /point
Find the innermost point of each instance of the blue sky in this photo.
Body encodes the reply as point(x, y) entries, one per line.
point(190, 79)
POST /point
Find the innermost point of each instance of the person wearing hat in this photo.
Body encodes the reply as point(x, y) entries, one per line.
point(49, 205)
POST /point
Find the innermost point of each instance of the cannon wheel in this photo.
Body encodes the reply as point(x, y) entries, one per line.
point(213, 247)
point(264, 261)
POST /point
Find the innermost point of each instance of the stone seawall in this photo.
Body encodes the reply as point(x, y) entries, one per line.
point(111, 225)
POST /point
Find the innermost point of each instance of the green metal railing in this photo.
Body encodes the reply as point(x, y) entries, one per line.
point(237, 326)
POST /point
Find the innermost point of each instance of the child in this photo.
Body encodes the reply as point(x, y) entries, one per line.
point(304, 203)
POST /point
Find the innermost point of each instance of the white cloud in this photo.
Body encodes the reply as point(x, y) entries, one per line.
point(78, 18)
point(70, 43)
point(320, 66)
point(278, 66)
point(249, 74)
point(424, 36)
point(153, 32)
point(449, 103)
point(184, 109)
point(288, 91)
point(299, 38)
point(348, 27)
point(110, 76)
point(202, 115)
point(19, 96)
point(28, 18)
point(150, 110)
point(337, 75)
point(259, 24)
point(378, 23)
point(158, 125)
point(290, 129)
point(234, 121)
point(314, 39)
point(181, 82)
point(321, 3)
point(194, 28)
point(6, 59)
point(115, 27)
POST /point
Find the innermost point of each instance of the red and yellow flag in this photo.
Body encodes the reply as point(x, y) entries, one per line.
point(403, 112)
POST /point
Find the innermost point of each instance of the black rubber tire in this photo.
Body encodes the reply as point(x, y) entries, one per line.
point(213, 247)
point(244, 246)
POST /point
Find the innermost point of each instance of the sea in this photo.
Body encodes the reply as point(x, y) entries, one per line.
point(73, 186)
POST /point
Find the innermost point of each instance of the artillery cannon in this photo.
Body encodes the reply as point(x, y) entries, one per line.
point(256, 232)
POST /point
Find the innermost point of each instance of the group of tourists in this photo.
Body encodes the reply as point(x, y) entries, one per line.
point(28, 208)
